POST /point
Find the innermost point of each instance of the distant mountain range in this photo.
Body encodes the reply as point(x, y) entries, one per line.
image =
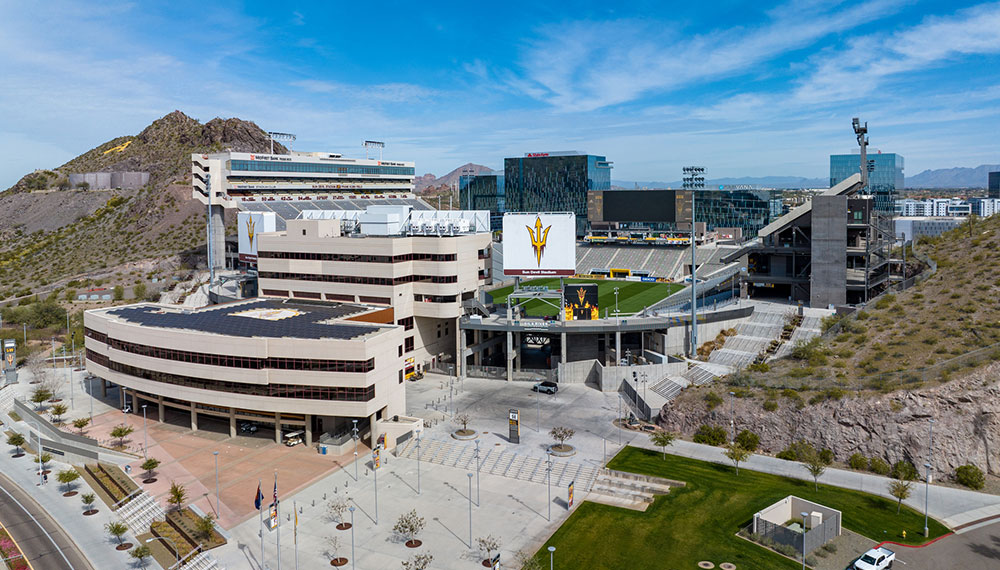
point(429, 181)
point(952, 177)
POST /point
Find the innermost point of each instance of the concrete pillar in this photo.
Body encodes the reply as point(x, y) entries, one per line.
point(104, 388)
point(135, 401)
point(618, 347)
point(232, 422)
point(161, 409)
point(121, 397)
point(371, 431)
point(216, 217)
point(194, 417)
point(562, 349)
point(517, 343)
point(510, 356)
point(309, 430)
point(277, 427)
point(459, 349)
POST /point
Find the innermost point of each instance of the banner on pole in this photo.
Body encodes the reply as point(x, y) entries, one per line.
point(376, 458)
point(570, 501)
point(273, 517)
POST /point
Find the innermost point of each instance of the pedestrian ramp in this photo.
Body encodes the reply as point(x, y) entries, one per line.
point(502, 462)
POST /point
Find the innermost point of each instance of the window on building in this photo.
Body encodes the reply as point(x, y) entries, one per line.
point(408, 344)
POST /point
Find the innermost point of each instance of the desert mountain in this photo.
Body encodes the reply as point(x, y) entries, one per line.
point(953, 177)
point(429, 181)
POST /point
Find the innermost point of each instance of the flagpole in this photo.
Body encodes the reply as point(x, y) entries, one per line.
point(260, 516)
point(277, 508)
point(295, 534)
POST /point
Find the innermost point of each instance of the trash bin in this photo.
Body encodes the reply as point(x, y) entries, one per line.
point(322, 450)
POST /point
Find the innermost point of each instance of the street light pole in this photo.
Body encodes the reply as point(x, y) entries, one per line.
point(216, 454)
point(145, 440)
point(616, 301)
point(538, 412)
point(804, 515)
point(619, 418)
point(375, 470)
point(470, 509)
point(548, 479)
point(552, 551)
point(927, 481)
point(732, 416)
point(354, 563)
point(477, 472)
point(418, 463)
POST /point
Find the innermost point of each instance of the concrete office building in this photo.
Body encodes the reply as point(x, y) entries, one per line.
point(424, 266)
point(229, 179)
point(912, 227)
point(296, 366)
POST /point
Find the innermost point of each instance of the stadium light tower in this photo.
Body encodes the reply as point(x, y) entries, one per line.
point(373, 144)
point(861, 131)
point(276, 136)
point(694, 179)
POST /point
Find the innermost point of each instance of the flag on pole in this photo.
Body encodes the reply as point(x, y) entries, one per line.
point(259, 499)
point(275, 487)
point(295, 529)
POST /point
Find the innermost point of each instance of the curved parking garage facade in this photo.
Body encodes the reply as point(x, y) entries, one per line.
point(296, 365)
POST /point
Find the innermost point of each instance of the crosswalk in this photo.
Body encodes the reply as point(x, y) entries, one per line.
point(505, 463)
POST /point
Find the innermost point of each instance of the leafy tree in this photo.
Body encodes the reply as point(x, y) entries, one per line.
point(17, 440)
point(409, 525)
point(748, 440)
point(149, 466)
point(662, 439)
point(561, 435)
point(58, 411)
point(88, 500)
point(970, 476)
point(488, 544)
point(826, 456)
point(815, 466)
point(70, 294)
point(418, 562)
point(710, 435)
point(81, 424)
point(463, 420)
point(904, 471)
point(39, 395)
point(205, 526)
point(139, 291)
point(737, 455)
point(140, 553)
point(66, 477)
point(118, 292)
point(116, 529)
point(120, 432)
point(43, 459)
point(900, 490)
point(178, 494)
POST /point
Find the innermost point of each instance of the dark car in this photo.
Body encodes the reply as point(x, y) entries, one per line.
point(546, 387)
point(248, 428)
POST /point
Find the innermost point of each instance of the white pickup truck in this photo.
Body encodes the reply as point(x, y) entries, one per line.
point(875, 559)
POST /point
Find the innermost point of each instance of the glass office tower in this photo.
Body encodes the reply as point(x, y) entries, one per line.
point(555, 182)
point(484, 191)
point(885, 176)
point(994, 185)
point(750, 210)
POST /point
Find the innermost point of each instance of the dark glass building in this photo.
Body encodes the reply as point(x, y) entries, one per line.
point(484, 191)
point(994, 185)
point(554, 182)
point(885, 176)
point(749, 210)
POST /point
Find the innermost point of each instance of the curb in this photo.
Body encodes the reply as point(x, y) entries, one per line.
point(879, 545)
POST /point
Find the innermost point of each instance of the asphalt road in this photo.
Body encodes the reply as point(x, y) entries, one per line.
point(18, 508)
point(972, 550)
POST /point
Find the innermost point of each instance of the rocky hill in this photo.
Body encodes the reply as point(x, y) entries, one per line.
point(430, 183)
point(58, 234)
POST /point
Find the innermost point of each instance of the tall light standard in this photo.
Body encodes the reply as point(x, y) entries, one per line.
point(145, 440)
point(732, 416)
point(92, 378)
point(552, 553)
point(375, 470)
point(804, 515)
point(470, 509)
point(694, 179)
point(177, 553)
point(548, 479)
point(41, 470)
point(538, 412)
point(477, 473)
point(353, 563)
point(927, 481)
point(216, 454)
point(619, 418)
point(616, 301)
point(418, 463)
point(355, 438)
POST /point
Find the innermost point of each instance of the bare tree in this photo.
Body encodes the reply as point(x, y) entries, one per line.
point(561, 435)
point(526, 561)
point(488, 544)
point(409, 525)
point(418, 562)
point(463, 420)
point(333, 547)
point(335, 509)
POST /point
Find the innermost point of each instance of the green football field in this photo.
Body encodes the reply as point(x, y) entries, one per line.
point(633, 296)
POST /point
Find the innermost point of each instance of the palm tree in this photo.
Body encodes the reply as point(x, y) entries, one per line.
point(178, 494)
point(662, 439)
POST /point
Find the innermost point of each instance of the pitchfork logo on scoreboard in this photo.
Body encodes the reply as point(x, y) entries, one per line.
point(539, 244)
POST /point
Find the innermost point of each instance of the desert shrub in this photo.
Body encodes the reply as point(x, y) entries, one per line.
point(878, 466)
point(905, 471)
point(826, 456)
point(713, 400)
point(759, 367)
point(970, 476)
point(797, 451)
point(710, 435)
point(830, 547)
point(748, 440)
point(770, 405)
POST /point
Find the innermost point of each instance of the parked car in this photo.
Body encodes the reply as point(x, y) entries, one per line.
point(546, 387)
point(875, 559)
point(247, 427)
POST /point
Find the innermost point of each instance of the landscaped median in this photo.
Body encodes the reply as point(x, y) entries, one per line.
point(700, 521)
point(11, 552)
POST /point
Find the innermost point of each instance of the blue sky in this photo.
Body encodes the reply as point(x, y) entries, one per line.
point(744, 88)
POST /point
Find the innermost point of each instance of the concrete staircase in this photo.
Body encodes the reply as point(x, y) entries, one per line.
point(632, 488)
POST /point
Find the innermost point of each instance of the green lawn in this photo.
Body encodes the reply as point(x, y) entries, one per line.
point(700, 521)
point(633, 296)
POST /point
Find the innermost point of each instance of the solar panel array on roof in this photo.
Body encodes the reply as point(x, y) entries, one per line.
point(223, 320)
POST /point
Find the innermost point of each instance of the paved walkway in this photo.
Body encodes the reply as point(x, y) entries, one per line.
point(953, 507)
point(42, 542)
